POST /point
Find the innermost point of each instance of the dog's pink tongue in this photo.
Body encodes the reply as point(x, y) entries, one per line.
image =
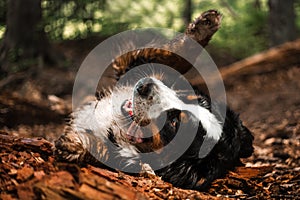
point(128, 107)
point(134, 133)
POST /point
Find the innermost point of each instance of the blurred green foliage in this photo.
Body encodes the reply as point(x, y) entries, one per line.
point(83, 18)
point(243, 32)
point(244, 28)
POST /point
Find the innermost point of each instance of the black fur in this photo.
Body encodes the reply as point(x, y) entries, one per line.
point(190, 171)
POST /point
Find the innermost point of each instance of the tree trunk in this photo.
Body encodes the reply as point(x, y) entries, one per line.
point(24, 39)
point(187, 12)
point(282, 24)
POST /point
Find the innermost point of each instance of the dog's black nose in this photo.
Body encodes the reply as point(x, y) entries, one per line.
point(144, 86)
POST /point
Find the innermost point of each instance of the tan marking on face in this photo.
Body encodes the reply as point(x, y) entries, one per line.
point(157, 143)
point(158, 76)
point(192, 97)
point(183, 117)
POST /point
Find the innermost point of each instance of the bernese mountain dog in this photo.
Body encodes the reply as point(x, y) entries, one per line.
point(149, 122)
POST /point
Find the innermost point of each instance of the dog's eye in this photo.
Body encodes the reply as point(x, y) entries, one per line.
point(174, 121)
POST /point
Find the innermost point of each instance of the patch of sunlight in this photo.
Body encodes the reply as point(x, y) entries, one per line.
point(142, 6)
point(97, 27)
point(264, 5)
point(177, 24)
point(73, 28)
point(68, 8)
point(47, 28)
point(44, 4)
point(98, 14)
point(2, 31)
point(81, 27)
point(69, 30)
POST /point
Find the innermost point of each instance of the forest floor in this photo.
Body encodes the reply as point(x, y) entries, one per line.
point(34, 106)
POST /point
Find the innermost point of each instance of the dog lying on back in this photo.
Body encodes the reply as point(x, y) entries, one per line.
point(151, 122)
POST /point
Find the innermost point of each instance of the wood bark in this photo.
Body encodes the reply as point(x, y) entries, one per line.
point(28, 170)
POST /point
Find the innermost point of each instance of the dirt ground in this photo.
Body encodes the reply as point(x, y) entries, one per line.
point(37, 105)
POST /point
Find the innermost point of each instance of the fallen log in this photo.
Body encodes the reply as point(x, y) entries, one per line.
point(280, 57)
point(285, 55)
